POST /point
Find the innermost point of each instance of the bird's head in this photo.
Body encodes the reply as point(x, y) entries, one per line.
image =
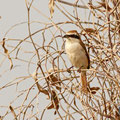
point(72, 34)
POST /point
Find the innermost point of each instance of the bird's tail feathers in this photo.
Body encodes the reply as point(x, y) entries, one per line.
point(84, 81)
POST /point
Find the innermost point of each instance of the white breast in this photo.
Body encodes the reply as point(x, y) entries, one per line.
point(76, 54)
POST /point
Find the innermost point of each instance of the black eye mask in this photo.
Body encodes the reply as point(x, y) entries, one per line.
point(72, 36)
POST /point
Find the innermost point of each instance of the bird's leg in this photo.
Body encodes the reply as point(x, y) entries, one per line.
point(79, 70)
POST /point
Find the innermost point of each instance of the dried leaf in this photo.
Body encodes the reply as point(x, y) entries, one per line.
point(54, 80)
point(74, 102)
point(50, 106)
point(93, 92)
point(34, 75)
point(51, 7)
point(55, 98)
point(103, 4)
point(55, 101)
point(94, 88)
point(3, 45)
point(7, 53)
point(89, 31)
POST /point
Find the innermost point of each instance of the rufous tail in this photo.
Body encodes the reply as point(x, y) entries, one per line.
point(84, 81)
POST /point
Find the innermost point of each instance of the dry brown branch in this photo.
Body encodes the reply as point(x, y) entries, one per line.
point(47, 72)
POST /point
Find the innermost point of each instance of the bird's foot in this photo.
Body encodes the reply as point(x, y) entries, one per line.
point(79, 70)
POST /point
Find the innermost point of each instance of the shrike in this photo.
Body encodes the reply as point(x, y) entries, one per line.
point(77, 54)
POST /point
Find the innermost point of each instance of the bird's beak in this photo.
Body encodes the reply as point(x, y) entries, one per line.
point(65, 36)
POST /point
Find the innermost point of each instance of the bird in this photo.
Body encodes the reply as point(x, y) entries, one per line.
point(77, 54)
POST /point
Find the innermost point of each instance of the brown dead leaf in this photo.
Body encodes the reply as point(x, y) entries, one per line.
point(53, 78)
point(34, 75)
point(50, 106)
point(55, 98)
point(93, 90)
point(3, 45)
point(103, 4)
point(7, 53)
point(51, 7)
point(54, 102)
point(89, 31)
point(54, 81)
